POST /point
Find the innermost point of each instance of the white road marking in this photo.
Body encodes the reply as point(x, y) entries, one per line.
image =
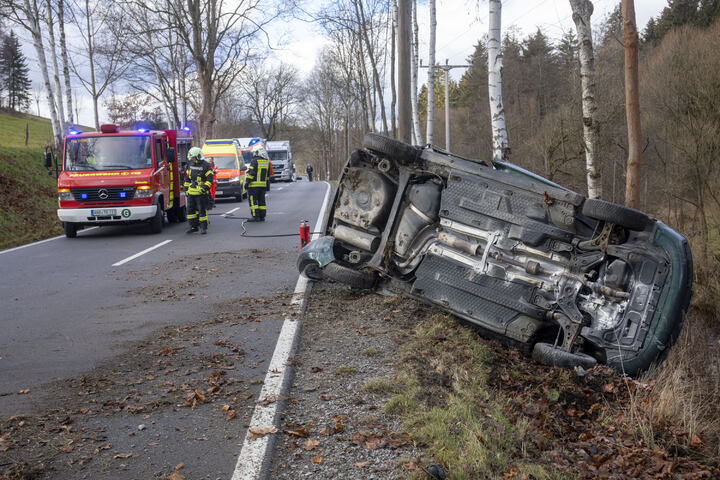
point(133, 257)
point(41, 241)
point(254, 450)
point(231, 211)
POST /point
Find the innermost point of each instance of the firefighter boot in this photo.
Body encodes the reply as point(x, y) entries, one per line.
point(203, 230)
point(192, 230)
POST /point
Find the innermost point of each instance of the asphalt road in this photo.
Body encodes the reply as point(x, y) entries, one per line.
point(66, 308)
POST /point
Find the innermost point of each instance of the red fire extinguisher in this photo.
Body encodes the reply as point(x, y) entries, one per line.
point(304, 233)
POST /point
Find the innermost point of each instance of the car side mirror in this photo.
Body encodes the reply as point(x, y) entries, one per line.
point(170, 155)
point(48, 160)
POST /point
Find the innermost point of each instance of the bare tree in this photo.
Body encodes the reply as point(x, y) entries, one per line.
point(28, 14)
point(393, 89)
point(632, 105)
point(495, 66)
point(417, 133)
point(98, 26)
point(582, 11)
point(269, 95)
point(66, 65)
point(218, 36)
point(50, 22)
point(431, 74)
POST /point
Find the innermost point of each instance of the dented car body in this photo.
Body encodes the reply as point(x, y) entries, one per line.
point(574, 280)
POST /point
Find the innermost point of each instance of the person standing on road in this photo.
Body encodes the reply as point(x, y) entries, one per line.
point(256, 183)
point(198, 180)
point(309, 171)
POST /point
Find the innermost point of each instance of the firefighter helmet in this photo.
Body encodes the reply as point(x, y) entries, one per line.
point(260, 152)
point(195, 153)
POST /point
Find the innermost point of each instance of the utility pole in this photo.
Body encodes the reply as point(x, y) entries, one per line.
point(447, 69)
point(403, 56)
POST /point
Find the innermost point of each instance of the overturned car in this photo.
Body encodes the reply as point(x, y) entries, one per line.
point(573, 280)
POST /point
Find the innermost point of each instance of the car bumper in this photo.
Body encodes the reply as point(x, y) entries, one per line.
point(314, 256)
point(100, 215)
point(228, 189)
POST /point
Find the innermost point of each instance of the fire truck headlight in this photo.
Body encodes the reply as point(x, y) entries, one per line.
point(144, 191)
point(65, 195)
point(234, 179)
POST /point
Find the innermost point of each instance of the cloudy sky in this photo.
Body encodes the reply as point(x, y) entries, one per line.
point(460, 24)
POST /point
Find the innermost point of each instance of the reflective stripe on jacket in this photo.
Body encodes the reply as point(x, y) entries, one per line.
point(258, 172)
point(198, 178)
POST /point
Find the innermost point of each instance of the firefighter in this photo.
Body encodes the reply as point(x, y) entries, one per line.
point(256, 183)
point(198, 180)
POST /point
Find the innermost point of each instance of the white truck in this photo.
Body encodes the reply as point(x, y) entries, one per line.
point(281, 159)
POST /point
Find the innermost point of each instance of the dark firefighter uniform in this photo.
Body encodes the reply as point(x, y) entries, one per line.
point(198, 180)
point(256, 182)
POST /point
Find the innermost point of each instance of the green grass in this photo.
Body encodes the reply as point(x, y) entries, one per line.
point(345, 370)
point(381, 386)
point(449, 410)
point(12, 126)
point(371, 352)
point(28, 193)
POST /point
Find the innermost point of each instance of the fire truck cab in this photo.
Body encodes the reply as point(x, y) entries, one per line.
point(122, 177)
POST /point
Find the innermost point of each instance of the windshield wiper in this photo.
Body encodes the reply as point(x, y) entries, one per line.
point(126, 167)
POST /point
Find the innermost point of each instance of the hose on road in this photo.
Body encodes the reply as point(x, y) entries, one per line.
point(245, 234)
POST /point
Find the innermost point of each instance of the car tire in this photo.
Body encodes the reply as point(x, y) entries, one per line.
point(71, 229)
point(391, 149)
point(181, 214)
point(618, 214)
point(156, 222)
point(348, 276)
point(550, 355)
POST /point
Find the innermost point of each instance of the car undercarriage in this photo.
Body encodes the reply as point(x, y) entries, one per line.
point(573, 280)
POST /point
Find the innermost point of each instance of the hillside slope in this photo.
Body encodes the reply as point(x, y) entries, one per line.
point(28, 192)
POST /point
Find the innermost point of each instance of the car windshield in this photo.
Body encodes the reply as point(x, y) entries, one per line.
point(224, 162)
point(247, 156)
point(108, 153)
point(278, 156)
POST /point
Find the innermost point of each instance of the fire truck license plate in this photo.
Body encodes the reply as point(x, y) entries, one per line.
point(218, 192)
point(103, 212)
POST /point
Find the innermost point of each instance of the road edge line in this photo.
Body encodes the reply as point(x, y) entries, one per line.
point(20, 247)
point(254, 460)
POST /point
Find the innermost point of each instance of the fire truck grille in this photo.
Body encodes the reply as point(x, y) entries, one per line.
point(103, 194)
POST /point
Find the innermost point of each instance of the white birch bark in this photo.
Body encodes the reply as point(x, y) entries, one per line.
point(582, 10)
point(417, 133)
point(32, 24)
point(431, 74)
point(50, 22)
point(66, 67)
point(495, 65)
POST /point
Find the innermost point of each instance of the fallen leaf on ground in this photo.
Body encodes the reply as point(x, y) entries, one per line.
point(299, 432)
point(362, 464)
point(123, 455)
point(230, 415)
point(23, 391)
point(176, 476)
point(310, 444)
point(317, 460)
point(262, 431)
point(225, 408)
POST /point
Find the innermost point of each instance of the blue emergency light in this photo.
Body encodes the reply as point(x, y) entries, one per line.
point(74, 131)
point(187, 129)
point(143, 130)
point(122, 194)
point(83, 196)
point(253, 142)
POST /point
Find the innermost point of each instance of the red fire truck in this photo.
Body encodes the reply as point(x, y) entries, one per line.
point(115, 177)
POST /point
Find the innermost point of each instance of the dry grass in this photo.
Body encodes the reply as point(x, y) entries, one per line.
point(687, 389)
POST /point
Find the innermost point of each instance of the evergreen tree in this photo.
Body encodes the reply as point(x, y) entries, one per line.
point(14, 73)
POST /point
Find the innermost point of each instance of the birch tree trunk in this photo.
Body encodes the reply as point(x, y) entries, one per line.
point(66, 67)
point(393, 89)
point(495, 65)
point(50, 22)
point(32, 24)
point(431, 74)
point(417, 133)
point(582, 11)
point(632, 106)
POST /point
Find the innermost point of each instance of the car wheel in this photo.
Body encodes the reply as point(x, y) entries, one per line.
point(390, 148)
point(71, 229)
point(156, 223)
point(618, 214)
point(348, 276)
point(549, 355)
